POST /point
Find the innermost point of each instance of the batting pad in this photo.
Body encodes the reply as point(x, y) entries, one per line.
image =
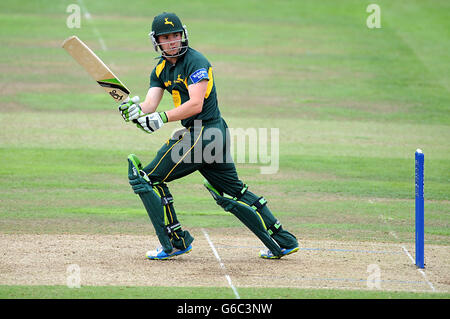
point(247, 215)
point(151, 201)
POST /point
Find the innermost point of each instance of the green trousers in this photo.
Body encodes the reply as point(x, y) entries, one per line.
point(204, 148)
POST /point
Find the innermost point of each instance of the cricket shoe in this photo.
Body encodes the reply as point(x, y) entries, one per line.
point(267, 254)
point(160, 254)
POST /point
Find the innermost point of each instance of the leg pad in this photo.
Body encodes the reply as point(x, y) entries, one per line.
point(247, 215)
point(152, 203)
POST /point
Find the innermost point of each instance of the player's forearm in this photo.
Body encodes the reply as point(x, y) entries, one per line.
point(148, 107)
point(152, 100)
point(185, 110)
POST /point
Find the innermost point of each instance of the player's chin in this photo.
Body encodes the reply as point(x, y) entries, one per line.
point(172, 52)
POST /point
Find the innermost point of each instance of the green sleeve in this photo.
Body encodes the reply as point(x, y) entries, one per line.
point(198, 69)
point(155, 81)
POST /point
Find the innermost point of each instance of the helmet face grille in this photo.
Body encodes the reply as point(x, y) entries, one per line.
point(183, 49)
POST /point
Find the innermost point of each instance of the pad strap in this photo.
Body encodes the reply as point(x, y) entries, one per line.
point(171, 228)
point(241, 193)
point(275, 228)
point(166, 200)
point(259, 204)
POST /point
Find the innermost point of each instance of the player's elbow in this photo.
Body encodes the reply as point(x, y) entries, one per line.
point(197, 107)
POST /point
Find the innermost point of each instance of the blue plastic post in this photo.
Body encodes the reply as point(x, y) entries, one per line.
point(420, 223)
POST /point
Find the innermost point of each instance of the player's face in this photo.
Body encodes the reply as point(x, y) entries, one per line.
point(170, 43)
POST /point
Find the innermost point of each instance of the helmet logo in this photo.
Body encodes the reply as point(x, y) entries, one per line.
point(168, 22)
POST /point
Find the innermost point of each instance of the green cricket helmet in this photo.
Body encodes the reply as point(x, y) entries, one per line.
point(166, 23)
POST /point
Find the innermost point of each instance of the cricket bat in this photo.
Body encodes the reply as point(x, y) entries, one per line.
point(96, 68)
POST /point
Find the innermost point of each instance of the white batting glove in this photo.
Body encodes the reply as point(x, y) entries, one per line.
point(134, 112)
point(151, 122)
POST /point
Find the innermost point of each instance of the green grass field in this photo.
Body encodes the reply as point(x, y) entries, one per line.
point(352, 104)
point(62, 292)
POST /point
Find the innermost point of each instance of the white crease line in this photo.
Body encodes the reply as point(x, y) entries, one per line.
point(321, 249)
point(88, 17)
point(216, 254)
point(291, 278)
point(392, 233)
point(418, 269)
point(408, 254)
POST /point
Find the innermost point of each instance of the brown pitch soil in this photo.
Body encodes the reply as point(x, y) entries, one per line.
point(28, 259)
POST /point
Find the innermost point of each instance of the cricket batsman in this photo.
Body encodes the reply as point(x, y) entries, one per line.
point(188, 76)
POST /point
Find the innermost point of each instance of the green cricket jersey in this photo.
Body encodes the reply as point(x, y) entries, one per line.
point(190, 68)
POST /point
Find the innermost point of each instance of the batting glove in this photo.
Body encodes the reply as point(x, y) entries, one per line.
point(151, 122)
point(130, 109)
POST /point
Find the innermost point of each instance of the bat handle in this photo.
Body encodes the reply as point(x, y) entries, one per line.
point(135, 121)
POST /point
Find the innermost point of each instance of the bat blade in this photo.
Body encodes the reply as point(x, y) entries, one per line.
point(96, 68)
